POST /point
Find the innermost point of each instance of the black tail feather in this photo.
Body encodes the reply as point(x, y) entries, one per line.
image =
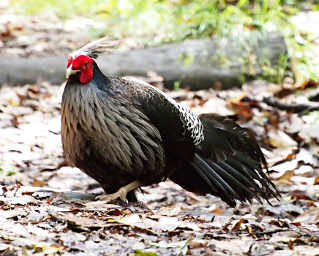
point(268, 188)
point(234, 180)
point(229, 177)
point(214, 183)
point(231, 162)
point(245, 170)
point(214, 175)
point(240, 177)
point(228, 163)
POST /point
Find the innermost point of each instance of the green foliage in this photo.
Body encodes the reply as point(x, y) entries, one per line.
point(304, 54)
point(186, 59)
point(61, 8)
point(171, 20)
point(7, 169)
point(141, 253)
point(177, 85)
point(275, 73)
point(158, 21)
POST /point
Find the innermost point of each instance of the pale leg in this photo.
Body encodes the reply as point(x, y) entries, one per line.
point(121, 193)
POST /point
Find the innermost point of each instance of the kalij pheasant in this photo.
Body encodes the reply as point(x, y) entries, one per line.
point(126, 134)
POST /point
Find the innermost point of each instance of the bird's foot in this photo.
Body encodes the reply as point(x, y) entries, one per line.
point(121, 193)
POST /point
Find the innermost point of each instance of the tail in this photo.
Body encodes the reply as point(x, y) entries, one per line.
point(228, 164)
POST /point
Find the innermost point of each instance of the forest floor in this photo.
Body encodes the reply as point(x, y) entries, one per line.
point(39, 215)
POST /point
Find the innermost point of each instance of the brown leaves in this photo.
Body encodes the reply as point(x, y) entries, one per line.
point(38, 183)
point(8, 30)
point(50, 217)
point(286, 177)
point(236, 227)
point(242, 107)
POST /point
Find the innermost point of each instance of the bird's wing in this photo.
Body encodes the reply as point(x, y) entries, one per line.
point(226, 138)
point(175, 122)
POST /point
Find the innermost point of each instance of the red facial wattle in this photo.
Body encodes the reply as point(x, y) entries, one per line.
point(84, 64)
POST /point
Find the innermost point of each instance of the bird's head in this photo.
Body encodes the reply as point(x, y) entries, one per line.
point(80, 62)
point(82, 65)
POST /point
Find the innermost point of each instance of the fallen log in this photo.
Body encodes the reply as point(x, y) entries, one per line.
point(199, 64)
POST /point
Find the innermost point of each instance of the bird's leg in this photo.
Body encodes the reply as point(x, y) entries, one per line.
point(121, 193)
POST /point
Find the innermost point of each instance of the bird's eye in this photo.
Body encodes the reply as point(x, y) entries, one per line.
point(86, 64)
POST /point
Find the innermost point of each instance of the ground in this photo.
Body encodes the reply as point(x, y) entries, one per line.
point(39, 215)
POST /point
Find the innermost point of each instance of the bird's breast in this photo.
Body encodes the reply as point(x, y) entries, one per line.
point(110, 128)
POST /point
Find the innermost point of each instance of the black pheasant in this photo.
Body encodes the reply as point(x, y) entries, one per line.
point(127, 133)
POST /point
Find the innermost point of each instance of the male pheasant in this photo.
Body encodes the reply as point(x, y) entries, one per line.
point(127, 133)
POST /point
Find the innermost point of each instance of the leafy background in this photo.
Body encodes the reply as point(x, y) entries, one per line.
point(158, 21)
point(38, 214)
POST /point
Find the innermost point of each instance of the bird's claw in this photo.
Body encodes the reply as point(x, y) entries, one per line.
point(120, 194)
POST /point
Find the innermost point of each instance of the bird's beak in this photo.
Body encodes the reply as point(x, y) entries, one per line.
point(70, 71)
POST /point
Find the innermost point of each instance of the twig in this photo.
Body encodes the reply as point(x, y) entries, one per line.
point(295, 108)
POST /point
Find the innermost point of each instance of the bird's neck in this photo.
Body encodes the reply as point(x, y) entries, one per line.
point(99, 79)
